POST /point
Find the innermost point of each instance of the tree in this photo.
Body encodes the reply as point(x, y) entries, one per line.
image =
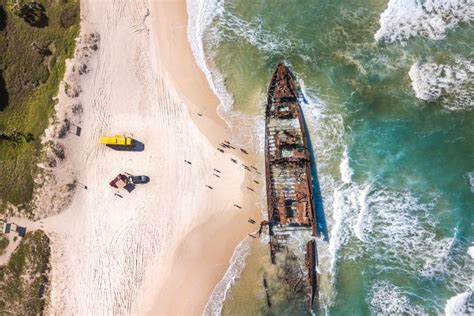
point(32, 12)
point(3, 18)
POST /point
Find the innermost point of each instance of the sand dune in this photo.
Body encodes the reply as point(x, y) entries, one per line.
point(167, 241)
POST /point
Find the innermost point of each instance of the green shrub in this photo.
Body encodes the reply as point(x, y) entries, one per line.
point(32, 64)
point(24, 279)
point(3, 243)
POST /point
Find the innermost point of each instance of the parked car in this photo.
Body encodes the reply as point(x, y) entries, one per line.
point(138, 179)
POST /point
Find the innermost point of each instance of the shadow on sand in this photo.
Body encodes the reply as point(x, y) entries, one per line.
point(137, 146)
point(129, 187)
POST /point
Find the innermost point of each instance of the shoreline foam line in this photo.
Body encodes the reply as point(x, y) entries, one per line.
point(237, 263)
point(201, 14)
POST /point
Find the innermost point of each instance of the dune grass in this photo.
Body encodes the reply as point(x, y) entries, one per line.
point(24, 279)
point(3, 243)
point(32, 64)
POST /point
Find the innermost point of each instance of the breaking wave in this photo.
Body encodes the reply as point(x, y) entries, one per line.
point(387, 299)
point(326, 131)
point(345, 169)
point(463, 303)
point(359, 227)
point(254, 32)
point(398, 232)
point(430, 18)
point(453, 84)
point(402, 234)
point(350, 218)
point(460, 304)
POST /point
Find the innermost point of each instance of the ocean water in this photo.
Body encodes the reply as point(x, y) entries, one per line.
point(390, 107)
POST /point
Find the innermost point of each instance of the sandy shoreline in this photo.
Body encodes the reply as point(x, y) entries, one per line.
point(199, 262)
point(162, 248)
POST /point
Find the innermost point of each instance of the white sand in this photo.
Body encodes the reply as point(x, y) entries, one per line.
point(115, 255)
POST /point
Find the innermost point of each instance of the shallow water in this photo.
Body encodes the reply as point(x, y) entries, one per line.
point(393, 132)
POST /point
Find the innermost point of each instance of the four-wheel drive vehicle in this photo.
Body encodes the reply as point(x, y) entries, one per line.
point(116, 140)
point(138, 179)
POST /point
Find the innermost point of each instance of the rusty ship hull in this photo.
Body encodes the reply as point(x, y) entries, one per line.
point(290, 202)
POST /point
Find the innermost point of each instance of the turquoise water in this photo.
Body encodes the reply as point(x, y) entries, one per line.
point(396, 171)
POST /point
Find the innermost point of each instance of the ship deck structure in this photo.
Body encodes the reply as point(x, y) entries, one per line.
point(290, 197)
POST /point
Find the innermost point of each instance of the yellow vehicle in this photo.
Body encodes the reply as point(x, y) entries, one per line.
point(118, 140)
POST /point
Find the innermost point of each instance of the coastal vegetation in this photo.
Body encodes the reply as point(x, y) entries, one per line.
point(3, 243)
point(36, 37)
point(24, 279)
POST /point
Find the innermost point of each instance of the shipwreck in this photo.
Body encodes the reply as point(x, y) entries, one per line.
point(290, 198)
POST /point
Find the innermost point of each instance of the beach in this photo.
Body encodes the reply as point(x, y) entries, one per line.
point(163, 247)
point(386, 89)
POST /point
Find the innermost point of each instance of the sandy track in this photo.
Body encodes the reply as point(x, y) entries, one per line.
point(114, 255)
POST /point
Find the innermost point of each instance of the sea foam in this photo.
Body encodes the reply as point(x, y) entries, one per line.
point(452, 83)
point(345, 169)
point(470, 177)
point(470, 252)
point(462, 303)
point(398, 232)
point(345, 205)
point(252, 31)
point(431, 18)
point(201, 15)
point(402, 233)
point(387, 299)
point(326, 131)
point(359, 227)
